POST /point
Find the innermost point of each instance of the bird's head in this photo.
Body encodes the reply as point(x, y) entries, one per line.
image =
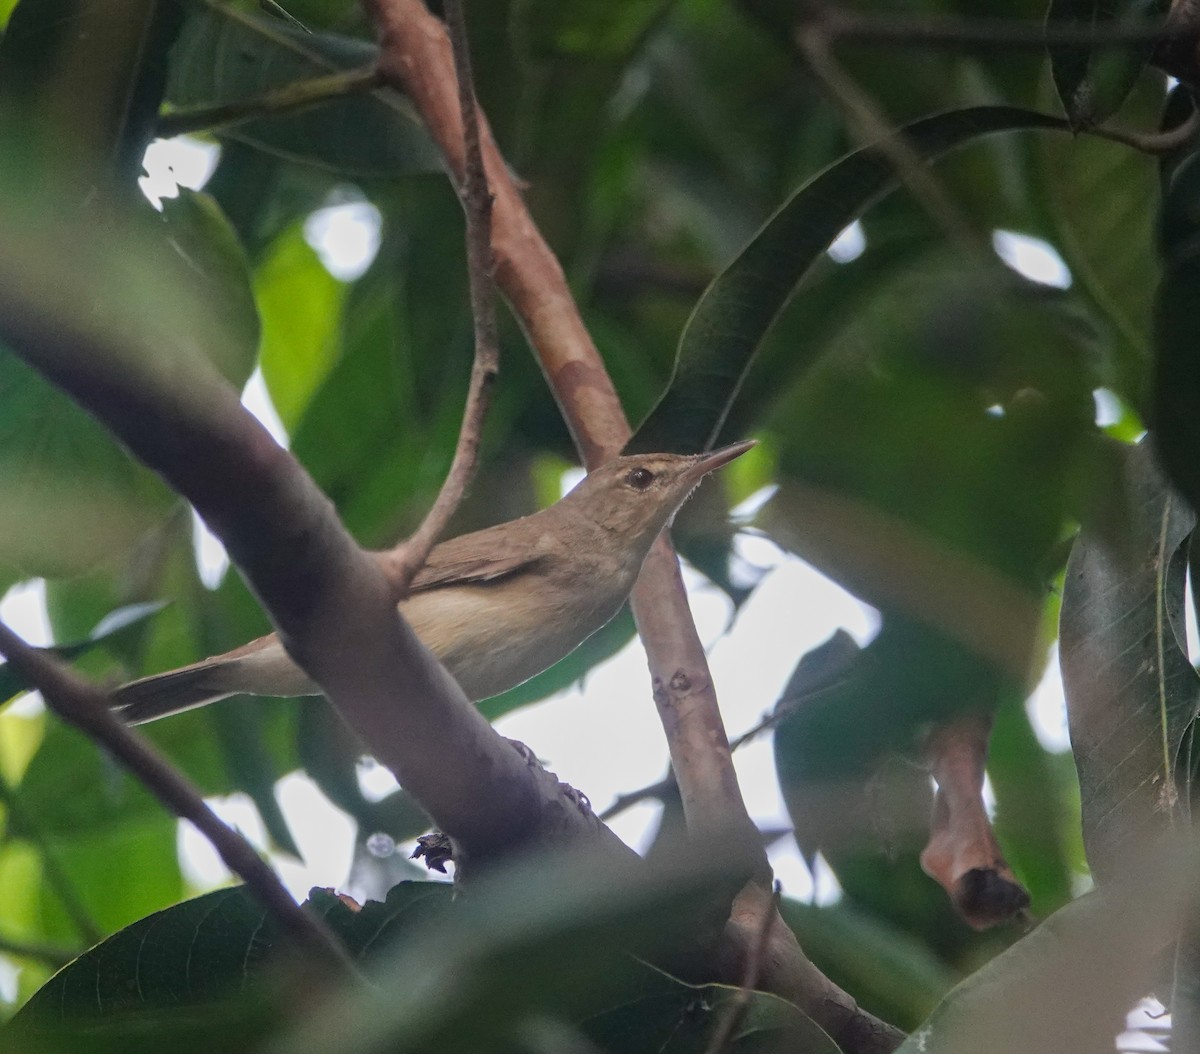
point(636, 496)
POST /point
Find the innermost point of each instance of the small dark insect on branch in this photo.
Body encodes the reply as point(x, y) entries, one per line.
point(84, 706)
point(402, 562)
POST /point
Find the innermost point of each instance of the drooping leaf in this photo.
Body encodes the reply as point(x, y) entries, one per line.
point(224, 55)
point(1092, 81)
point(1131, 690)
point(731, 319)
point(207, 949)
point(114, 625)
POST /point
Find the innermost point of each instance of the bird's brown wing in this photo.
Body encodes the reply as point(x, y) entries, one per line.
point(471, 558)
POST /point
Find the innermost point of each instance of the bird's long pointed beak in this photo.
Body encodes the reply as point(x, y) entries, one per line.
point(716, 459)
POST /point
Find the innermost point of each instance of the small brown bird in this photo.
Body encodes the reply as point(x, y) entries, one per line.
point(497, 606)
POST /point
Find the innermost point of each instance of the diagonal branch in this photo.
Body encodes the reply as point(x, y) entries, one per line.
point(406, 559)
point(332, 604)
point(86, 707)
point(415, 57)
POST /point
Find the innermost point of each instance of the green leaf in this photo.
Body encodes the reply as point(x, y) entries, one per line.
point(1176, 393)
point(171, 287)
point(739, 307)
point(301, 305)
point(686, 1019)
point(91, 73)
point(208, 949)
point(1092, 82)
point(110, 629)
point(1131, 690)
point(891, 973)
point(548, 938)
point(1037, 809)
point(224, 55)
point(1067, 985)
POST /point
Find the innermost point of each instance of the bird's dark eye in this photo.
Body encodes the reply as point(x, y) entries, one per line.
point(640, 478)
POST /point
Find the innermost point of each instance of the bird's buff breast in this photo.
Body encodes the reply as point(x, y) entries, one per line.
point(493, 637)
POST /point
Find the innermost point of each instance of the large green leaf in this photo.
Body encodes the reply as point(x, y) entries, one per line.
point(207, 949)
point(1093, 82)
point(1067, 986)
point(116, 624)
point(225, 55)
point(731, 319)
point(1131, 690)
point(89, 75)
point(301, 305)
point(175, 285)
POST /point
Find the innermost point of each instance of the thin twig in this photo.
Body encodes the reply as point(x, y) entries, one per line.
point(993, 33)
point(1153, 143)
point(872, 128)
point(290, 98)
point(786, 705)
point(52, 869)
point(84, 706)
point(54, 955)
point(402, 562)
point(735, 1012)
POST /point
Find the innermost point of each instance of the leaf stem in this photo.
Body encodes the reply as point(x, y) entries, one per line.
point(278, 102)
point(55, 874)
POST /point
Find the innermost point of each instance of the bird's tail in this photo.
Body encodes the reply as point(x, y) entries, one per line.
point(259, 668)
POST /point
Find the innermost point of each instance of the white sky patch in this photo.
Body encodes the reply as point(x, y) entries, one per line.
point(257, 400)
point(375, 781)
point(212, 561)
point(571, 479)
point(1047, 708)
point(1108, 407)
point(1147, 1026)
point(323, 833)
point(23, 610)
point(849, 245)
point(10, 976)
point(345, 237)
point(607, 740)
point(1033, 258)
point(1189, 619)
point(173, 163)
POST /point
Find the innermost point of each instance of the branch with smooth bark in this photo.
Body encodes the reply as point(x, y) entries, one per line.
point(85, 707)
point(406, 559)
point(331, 602)
point(415, 57)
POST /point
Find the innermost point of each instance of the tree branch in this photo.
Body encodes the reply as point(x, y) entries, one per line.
point(406, 559)
point(290, 98)
point(53, 955)
point(86, 708)
point(332, 604)
point(415, 57)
